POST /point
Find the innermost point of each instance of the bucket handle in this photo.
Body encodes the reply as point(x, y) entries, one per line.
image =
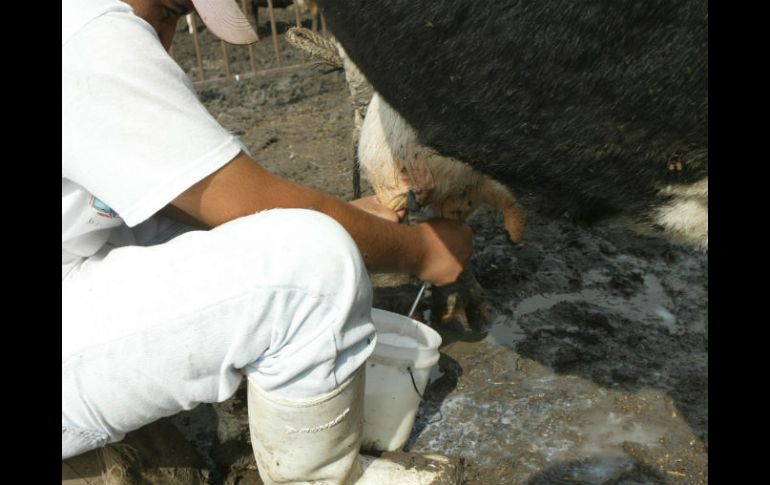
point(414, 384)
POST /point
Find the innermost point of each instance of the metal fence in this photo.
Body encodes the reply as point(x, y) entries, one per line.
point(217, 61)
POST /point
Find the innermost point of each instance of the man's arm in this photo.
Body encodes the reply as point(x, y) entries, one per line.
point(436, 251)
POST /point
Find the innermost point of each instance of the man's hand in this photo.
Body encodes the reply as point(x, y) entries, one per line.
point(448, 249)
point(447, 244)
point(372, 205)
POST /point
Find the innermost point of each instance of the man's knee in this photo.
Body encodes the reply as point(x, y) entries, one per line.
point(306, 248)
point(328, 332)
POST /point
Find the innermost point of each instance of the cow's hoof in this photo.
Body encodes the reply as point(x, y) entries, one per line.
point(461, 306)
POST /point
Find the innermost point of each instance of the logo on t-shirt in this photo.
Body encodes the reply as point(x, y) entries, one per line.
point(102, 209)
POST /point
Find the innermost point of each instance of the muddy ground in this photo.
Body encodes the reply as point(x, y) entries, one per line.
point(593, 367)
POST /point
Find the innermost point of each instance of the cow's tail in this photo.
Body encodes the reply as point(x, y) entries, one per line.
point(317, 46)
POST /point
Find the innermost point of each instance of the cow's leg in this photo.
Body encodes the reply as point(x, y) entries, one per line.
point(461, 306)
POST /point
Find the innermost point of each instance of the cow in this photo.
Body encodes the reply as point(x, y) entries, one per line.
point(396, 164)
point(598, 107)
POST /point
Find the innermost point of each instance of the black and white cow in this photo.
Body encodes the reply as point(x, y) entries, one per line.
point(600, 106)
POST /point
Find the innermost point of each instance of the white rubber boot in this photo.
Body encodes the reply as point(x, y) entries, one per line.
point(317, 441)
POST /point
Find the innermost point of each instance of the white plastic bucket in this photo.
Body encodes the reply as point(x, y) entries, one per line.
point(391, 400)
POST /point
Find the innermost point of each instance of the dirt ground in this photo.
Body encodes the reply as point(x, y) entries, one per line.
point(593, 368)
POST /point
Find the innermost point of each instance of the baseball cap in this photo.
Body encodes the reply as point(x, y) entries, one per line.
point(225, 20)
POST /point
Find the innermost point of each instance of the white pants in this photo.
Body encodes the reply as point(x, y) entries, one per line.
point(281, 296)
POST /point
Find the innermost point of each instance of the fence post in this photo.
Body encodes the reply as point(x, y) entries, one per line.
point(227, 58)
point(275, 32)
point(246, 11)
point(198, 48)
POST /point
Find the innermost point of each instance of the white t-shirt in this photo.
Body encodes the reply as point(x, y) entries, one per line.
point(134, 135)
